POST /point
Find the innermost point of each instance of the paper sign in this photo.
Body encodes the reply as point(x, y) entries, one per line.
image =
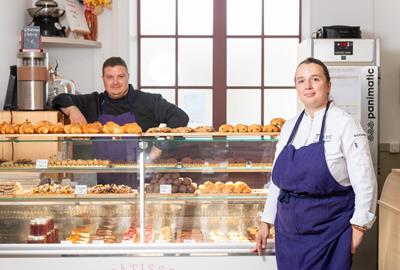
point(165, 189)
point(42, 164)
point(189, 241)
point(81, 189)
point(98, 242)
point(76, 17)
point(66, 242)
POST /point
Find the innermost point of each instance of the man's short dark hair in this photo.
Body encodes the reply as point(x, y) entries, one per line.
point(114, 61)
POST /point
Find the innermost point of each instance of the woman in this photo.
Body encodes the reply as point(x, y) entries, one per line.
point(323, 193)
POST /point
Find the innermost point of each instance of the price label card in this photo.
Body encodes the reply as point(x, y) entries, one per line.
point(165, 189)
point(65, 242)
point(127, 242)
point(42, 164)
point(189, 241)
point(98, 242)
point(81, 189)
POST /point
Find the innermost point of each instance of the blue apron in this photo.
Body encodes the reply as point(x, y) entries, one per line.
point(116, 151)
point(312, 225)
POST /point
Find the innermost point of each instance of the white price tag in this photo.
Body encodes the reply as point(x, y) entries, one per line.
point(127, 241)
point(81, 189)
point(98, 242)
point(189, 241)
point(165, 189)
point(42, 164)
point(65, 242)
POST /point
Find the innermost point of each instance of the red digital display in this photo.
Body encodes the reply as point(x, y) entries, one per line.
point(343, 44)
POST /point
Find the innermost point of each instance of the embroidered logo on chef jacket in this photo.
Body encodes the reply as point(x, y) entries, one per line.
point(327, 137)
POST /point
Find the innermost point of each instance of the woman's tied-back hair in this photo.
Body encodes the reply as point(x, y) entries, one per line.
point(311, 60)
point(114, 61)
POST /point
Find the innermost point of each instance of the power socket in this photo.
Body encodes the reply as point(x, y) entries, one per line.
point(394, 147)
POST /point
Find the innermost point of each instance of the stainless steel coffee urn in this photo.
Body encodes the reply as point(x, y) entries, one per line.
point(32, 77)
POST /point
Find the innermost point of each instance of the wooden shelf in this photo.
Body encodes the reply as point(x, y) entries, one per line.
point(69, 42)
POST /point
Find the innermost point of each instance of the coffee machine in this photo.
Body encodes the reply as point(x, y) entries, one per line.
point(46, 15)
point(32, 78)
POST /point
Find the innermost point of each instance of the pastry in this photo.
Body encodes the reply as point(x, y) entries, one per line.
point(226, 128)
point(58, 128)
point(255, 128)
point(92, 128)
point(241, 128)
point(270, 128)
point(112, 128)
point(132, 128)
point(204, 129)
point(26, 128)
point(278, 122)
point(73, 129)
point(182, 130)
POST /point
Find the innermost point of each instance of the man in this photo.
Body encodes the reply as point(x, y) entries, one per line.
point(121, 104)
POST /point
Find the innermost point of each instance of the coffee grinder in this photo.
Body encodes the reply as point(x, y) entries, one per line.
point(45, 15)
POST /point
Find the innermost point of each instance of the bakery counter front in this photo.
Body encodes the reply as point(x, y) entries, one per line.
point(171, 201)
point(106, 233)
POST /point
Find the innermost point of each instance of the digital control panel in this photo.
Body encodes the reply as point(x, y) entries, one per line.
point(343, 47)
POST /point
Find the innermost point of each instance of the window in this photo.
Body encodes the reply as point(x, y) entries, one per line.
point(222, 61)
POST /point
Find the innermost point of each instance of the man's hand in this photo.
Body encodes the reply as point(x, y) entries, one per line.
point(261, 239)
point(356, 240)
point(155, 153)
point(74, 114)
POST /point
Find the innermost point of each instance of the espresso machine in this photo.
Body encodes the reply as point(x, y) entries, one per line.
point(32, 78)
point(46, 15)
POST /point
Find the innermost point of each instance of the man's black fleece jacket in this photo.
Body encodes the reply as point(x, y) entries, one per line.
point(149, 109)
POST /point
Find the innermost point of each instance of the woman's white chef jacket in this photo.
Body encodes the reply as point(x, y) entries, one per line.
point(347, 154)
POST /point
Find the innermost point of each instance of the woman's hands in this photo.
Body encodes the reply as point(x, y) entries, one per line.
point(356, 239)
point(261, 239)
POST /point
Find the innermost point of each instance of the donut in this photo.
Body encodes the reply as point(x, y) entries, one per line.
point(226, 128)
point(241, 128)
point(255, 128)
point(278, 122)
point(270, 128)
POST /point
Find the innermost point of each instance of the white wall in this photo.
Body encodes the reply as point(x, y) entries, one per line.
point(13, 18)
point(83, 65)
point(378, 19)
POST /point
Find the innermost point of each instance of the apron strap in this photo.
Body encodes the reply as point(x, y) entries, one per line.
point(321, 133)
point(298, 121)
point(295, 128)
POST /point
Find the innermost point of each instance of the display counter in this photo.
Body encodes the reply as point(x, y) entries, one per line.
point(197, 204)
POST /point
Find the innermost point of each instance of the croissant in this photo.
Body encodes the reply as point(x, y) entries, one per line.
point(42, 129)
point(111, 127)
point(133, 128)
point(95, 127)
point(26, 128)
point(58, 128)
point(8, 129)
point(73, 129)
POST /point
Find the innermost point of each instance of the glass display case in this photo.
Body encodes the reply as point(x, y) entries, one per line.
point(169, 201)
